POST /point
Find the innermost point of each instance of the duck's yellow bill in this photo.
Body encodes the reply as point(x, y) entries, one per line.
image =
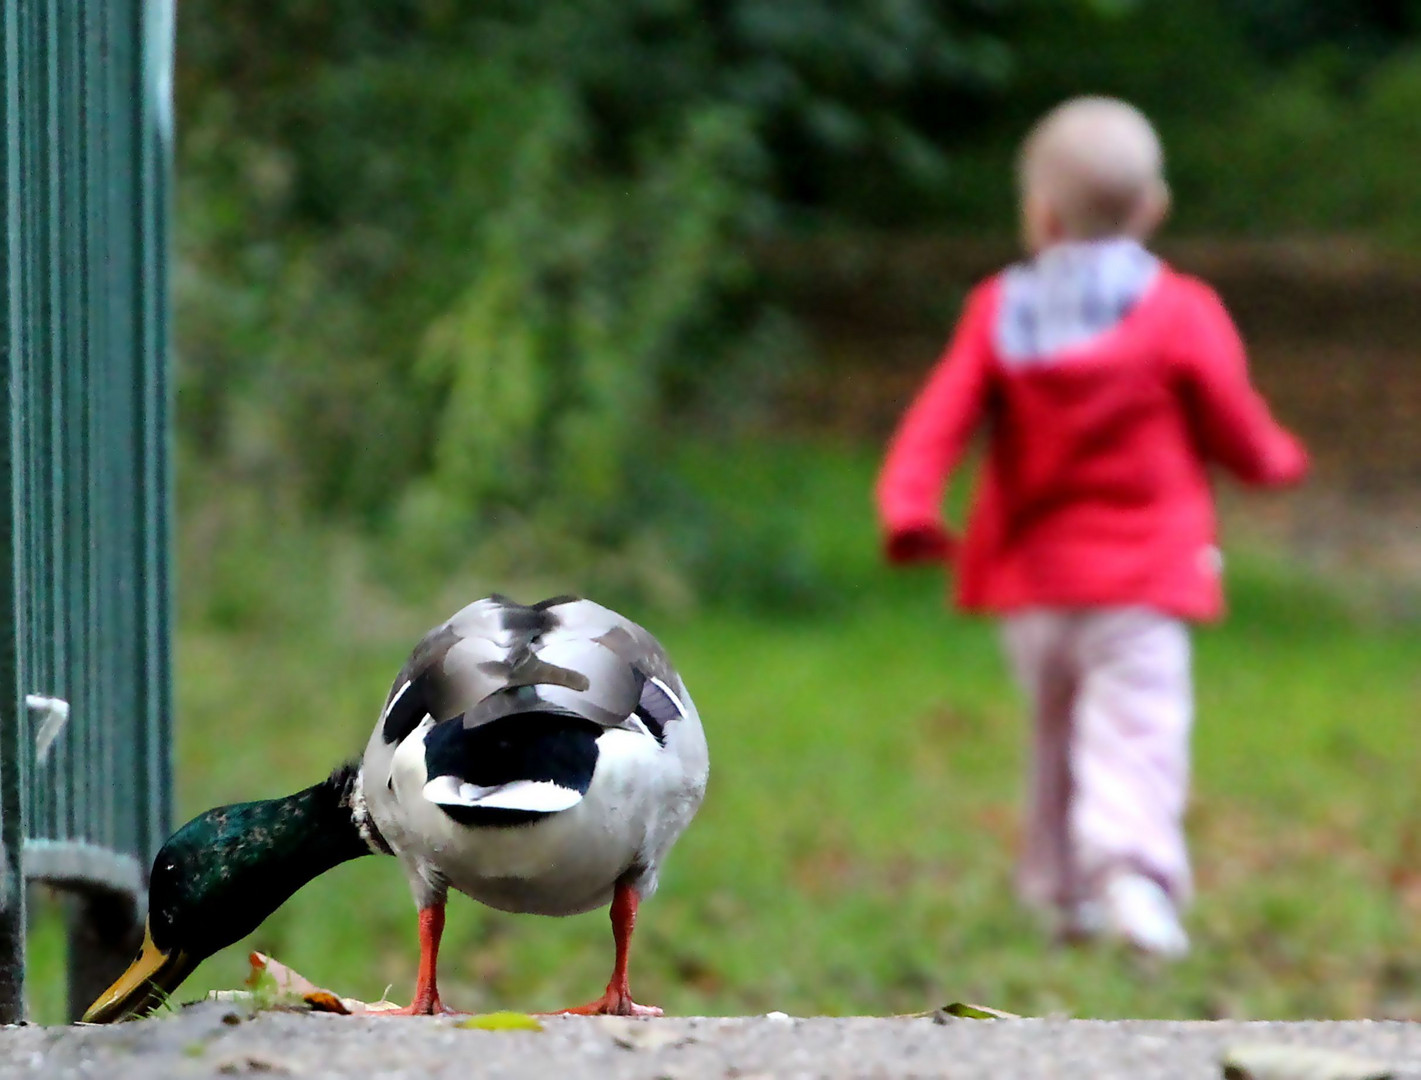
point(148, 981)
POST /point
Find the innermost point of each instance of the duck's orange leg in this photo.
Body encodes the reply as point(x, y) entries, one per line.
point(617, 1000)
point(426, 988)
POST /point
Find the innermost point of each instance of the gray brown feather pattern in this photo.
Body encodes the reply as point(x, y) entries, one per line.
point(497, 658)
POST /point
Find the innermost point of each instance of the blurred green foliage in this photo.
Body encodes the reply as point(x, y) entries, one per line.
point(1278, 116)
point(463, 271)
point(467, 273)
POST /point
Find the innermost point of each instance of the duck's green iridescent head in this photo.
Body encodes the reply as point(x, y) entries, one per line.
point(219, 877)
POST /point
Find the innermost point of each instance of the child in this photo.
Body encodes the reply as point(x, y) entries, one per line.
point(1106, 381)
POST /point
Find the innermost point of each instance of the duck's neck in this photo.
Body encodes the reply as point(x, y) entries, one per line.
point(245, 860)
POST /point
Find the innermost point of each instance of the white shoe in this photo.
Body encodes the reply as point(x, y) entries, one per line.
point(1138, 911)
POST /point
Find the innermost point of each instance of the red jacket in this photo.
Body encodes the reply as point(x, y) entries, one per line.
point(1095, 490)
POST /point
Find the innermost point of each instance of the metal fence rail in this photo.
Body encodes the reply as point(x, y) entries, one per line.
point(84, 663)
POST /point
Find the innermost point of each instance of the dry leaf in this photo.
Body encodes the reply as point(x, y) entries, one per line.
point(967, 1011)
point(278, 975)
point(325, 1001)
point(293, 986)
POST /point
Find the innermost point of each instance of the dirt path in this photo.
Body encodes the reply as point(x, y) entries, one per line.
point(212, 1040)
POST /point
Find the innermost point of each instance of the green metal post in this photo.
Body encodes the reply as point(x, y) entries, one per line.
point(12, 883)
point(85, 705)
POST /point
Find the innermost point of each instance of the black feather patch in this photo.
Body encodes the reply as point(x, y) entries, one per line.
point(528, 622)
point(556, 601)
point(527, 746)
point(406, 712)
point(653, 725)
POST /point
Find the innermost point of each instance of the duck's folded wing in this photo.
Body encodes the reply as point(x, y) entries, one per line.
point(631, 681)
point(454, 666)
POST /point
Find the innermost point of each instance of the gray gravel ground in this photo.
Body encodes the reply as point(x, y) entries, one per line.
point(212, 1040)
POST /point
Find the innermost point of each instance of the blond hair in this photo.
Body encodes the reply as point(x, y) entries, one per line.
point(1098, 164)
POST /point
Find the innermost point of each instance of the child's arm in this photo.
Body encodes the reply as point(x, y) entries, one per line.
point(1229, 415)
point(931, 439)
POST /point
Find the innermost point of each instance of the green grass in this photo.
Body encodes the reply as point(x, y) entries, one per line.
point(854, 851)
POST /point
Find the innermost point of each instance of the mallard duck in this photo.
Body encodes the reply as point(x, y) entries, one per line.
point(539, 759)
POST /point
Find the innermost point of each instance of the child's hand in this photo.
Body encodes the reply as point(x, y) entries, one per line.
point(919, 544)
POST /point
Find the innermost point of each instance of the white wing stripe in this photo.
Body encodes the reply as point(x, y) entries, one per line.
point(393, 701)
point(538, 796)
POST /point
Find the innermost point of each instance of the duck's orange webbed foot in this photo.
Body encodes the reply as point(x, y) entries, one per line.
point(417, 1008)
point(617, 1001)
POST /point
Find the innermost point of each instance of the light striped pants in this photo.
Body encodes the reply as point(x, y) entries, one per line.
point(1112, 706)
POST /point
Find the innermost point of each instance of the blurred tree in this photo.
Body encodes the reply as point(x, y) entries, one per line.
point(461, 269)
point(1281, 30)
point(449, 266)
